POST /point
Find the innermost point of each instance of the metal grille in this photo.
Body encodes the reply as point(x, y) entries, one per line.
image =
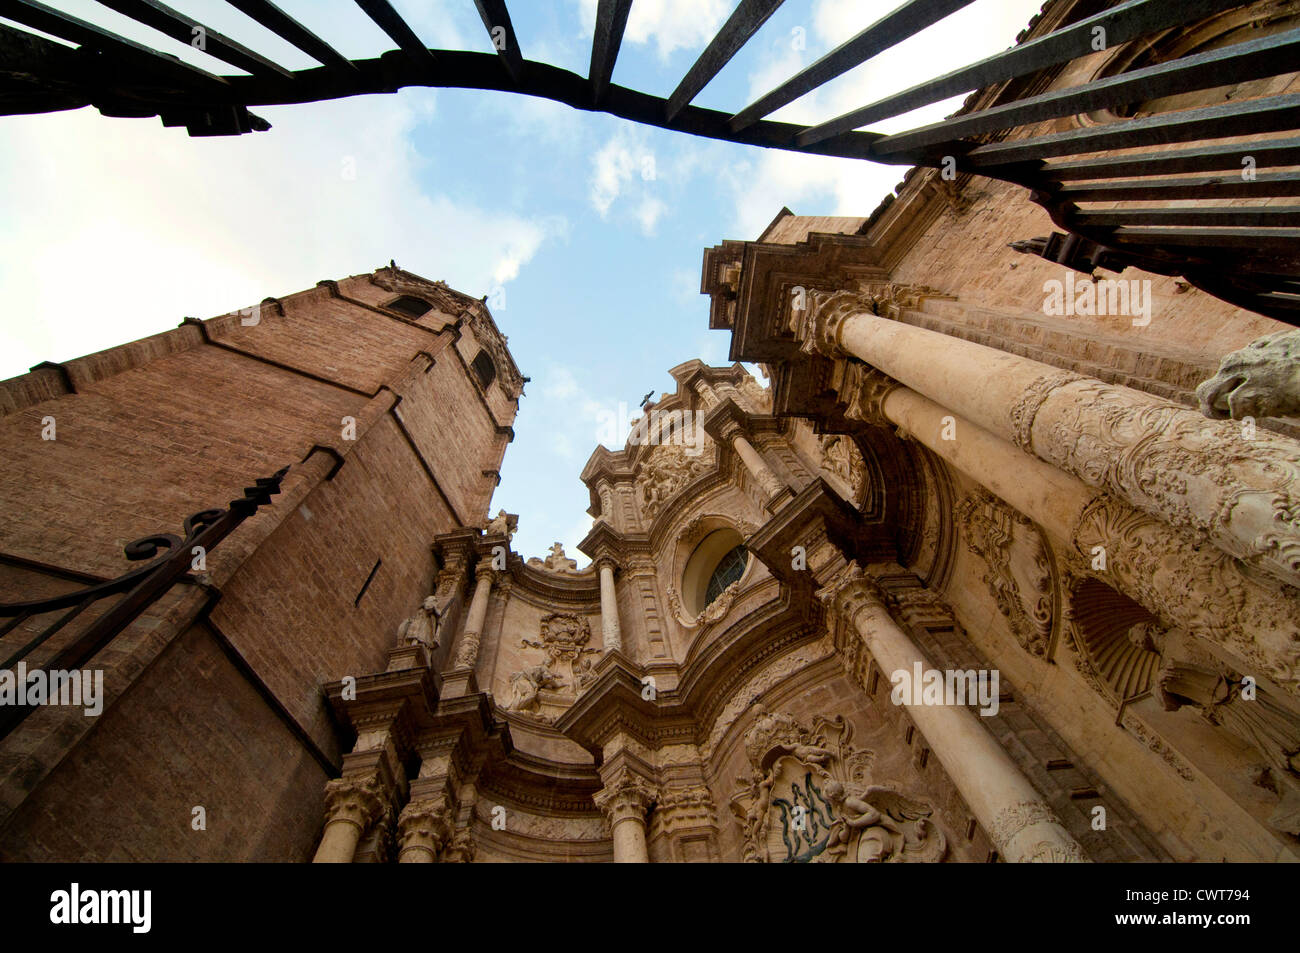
point(1098, 181)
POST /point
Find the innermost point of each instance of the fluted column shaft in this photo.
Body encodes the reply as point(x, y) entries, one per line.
point(478, 606)
point(1021, 824)
point(1166, 460)
point(611, 632)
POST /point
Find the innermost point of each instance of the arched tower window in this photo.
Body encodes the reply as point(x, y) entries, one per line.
point(410, 306)
point(484, 369)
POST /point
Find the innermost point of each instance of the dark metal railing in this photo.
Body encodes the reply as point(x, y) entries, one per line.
point(139, 589)
point(1247, 255)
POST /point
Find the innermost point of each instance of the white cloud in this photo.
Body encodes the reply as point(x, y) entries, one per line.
point(826, 186)
point(649, 212)
point(117, 228)
point(669, 24)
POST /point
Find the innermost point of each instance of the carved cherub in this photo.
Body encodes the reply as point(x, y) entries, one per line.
point(890, 827)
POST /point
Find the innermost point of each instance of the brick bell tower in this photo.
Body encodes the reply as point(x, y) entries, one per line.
point(390, 399)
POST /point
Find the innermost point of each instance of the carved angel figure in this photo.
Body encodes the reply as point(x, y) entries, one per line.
point(880, 826)
point(422, 627)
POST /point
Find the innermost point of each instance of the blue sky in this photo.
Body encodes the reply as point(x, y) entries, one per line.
point(586, 230)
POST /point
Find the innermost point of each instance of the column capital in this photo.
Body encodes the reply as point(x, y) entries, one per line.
point(424, 825)
point(817, 324)
point(628, 796)
point(851, 591)
point(357, 801)
point(864, 390)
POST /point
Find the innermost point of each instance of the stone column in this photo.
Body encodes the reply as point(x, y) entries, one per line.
point(1191, 473)
point(468, 655)
point(609, 627)
point(772, 487)
point(1020, 823)
point(351, 806)
point(625, 802)
point(1170, 573)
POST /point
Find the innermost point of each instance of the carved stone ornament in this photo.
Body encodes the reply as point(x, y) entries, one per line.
point(1169, 461)
point(842, 458)
point(1016, 819)
point(1261, 721)
point(758, 399)
point(628, 796)
point(714, 611)
point(568, 666)
point(1018, 567)
point(665, 470)
point(358, 801)
point(891, 299)
point(424, 824)
point(556, 561)
point(816, 324)
point(863, 390)
point(1198, 588)
point(808, 797)
point(1261, 379)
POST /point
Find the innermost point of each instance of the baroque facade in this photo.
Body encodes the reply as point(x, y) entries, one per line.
point(1085, 523)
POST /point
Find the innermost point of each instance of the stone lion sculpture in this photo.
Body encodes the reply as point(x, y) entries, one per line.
point(1261, 379)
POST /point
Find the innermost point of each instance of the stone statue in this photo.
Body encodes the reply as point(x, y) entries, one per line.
point(1256, 717)
point(1261, 379)
point(422, 626)
point(503, 524)
point(555, 562)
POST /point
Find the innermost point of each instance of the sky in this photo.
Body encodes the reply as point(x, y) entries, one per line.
point(587, 231)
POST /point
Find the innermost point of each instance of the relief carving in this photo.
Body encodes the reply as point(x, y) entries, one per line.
point(1019, 569)
point(1191, 473)
point(842, 458)
point(667, 468)
point(1198, 588)
point(567, 667)
point(808, 797)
